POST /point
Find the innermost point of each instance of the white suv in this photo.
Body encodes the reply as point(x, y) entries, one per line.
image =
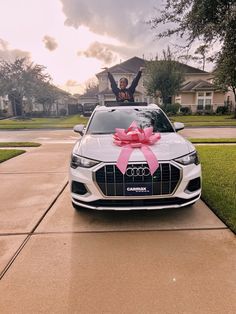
point(97, 183)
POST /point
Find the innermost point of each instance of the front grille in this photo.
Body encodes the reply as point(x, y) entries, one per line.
point(163, 182)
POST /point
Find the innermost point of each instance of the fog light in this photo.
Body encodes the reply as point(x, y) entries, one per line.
point(78, 188)
point(193, 185)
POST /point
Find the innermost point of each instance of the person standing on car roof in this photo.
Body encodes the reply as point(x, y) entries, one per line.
point(124, 94)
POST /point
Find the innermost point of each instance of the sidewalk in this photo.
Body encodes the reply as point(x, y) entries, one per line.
point(30, 183)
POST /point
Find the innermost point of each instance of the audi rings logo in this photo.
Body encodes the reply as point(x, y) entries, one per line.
point(138, 172)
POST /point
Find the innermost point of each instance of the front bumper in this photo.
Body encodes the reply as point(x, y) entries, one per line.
point(95, 199)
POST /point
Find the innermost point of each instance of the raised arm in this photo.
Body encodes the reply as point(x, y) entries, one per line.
point(114, 86)
point(135, 81)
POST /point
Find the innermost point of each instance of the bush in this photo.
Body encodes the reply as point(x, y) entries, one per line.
point(185, 110)
point(171, 109)
point(36, 114)
point(222, 110)
point(63, 112)
point(3, 112)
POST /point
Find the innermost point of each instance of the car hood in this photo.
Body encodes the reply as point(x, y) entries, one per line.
point(101, 148)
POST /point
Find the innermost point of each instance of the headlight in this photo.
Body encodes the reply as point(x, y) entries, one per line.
point(189, 159)
point(78, 161)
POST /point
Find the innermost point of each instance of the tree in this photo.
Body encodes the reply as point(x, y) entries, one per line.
point(200, 56)
point(91, 86)
point(207, 20)
point(19, 80)
point(47, 95)
point(164, 77)
point(202, 51)
point(225, 73)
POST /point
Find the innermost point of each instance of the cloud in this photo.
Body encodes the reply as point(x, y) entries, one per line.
point(71, 83)
point(11, 54)
point(50, 42)
point(100, 51)
point(123, 19)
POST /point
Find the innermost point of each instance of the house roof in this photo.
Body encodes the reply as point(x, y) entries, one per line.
point(198, 85)
point(129, 66)
point(133, 65)
point(191, 70)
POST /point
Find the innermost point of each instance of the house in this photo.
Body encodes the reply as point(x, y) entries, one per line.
point(128, 69)
point(89, 100)
point(200, 95)
point(65, 104)
point(197, 92)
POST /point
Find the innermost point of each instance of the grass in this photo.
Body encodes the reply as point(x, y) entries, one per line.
point(43, 123)
point(205, 120)
point(219, 181)
point(6, 154)
point(19, 144)
point(212, 140)
point(69, 122)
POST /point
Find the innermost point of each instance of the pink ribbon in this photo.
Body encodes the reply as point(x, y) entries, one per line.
point(135, 137)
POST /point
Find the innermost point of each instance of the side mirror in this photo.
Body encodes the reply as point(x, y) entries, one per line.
point(79, 128)
point(178, 126)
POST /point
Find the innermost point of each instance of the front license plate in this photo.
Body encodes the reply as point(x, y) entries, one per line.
point(138, 189)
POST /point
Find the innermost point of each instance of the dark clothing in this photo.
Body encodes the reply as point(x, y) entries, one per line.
point(126, 94)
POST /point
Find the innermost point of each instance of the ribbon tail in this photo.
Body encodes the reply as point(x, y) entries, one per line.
point(123, 159)
point(151, 158)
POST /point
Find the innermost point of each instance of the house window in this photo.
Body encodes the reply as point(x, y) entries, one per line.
point(204, 100)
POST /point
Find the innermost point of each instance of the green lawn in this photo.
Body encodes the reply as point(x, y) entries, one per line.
point(205, 120)
point(6, 154)
point(219, 181)
point(43, 123)
point(212, 140)
point(19, 144)
point(69, 122)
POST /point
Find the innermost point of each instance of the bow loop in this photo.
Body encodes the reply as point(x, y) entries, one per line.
point(135, 137)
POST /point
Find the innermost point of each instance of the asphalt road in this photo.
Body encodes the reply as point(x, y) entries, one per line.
point(56, 260)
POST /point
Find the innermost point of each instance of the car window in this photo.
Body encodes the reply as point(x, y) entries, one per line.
point(105, 122)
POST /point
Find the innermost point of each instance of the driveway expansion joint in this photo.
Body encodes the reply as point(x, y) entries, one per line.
point(50, 206)
point(14, 257)
point(28, 235)
point(128, 231)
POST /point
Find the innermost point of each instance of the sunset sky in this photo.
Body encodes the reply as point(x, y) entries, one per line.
point(75, 38)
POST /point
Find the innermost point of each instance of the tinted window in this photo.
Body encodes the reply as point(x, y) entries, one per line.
point(106, 121)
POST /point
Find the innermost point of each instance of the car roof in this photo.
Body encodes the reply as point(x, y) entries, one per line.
point(105, 108)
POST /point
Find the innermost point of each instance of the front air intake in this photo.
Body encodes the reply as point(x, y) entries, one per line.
point(113, 183)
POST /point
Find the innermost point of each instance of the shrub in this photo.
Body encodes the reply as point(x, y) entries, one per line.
point(171, 109)
point(36, 114)
point(185, 110)
point(3, 112)
point(63, 112)
point(222, 110)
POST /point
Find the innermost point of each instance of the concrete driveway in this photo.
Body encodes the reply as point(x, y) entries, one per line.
point(56, 260)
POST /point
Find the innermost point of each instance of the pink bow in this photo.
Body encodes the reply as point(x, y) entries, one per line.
point(135, 137)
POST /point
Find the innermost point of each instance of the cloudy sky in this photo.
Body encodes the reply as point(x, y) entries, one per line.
point(74, 39)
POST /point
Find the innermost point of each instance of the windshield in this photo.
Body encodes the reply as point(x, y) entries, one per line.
point(105, 122)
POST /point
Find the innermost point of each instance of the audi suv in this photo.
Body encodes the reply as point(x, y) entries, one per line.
point(97, 183)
